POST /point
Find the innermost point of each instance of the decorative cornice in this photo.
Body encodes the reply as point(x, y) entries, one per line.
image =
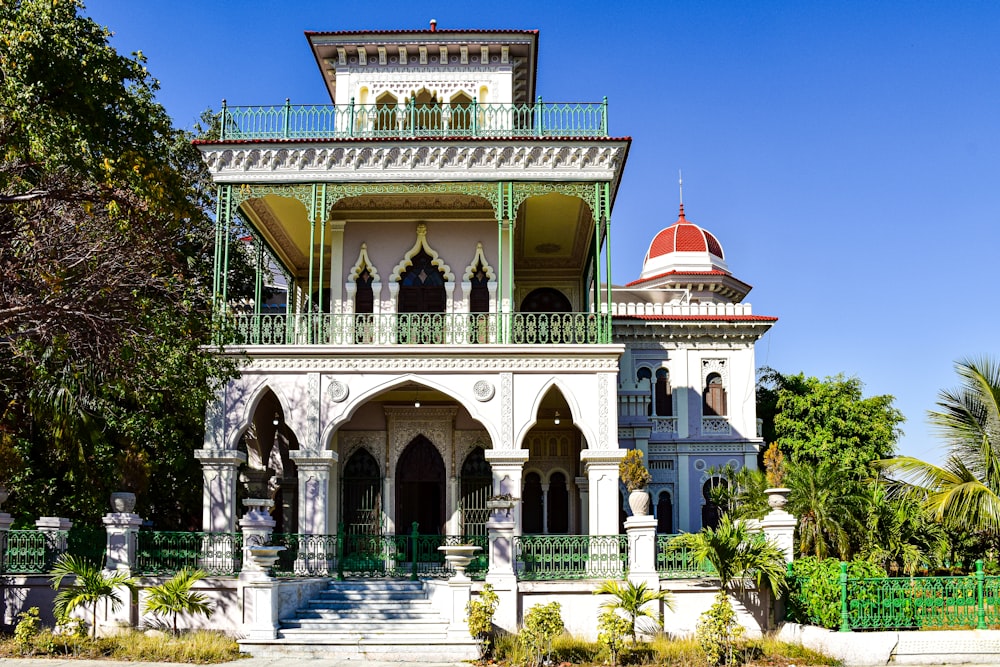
point(573, 364)
point(577, 160)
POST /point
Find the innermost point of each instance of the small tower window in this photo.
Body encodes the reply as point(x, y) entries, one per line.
point(714, 403)
point(662, 398)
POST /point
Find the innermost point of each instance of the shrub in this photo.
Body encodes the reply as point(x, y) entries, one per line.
point(542, 624)
point(633, 600)
point(814, 593)
point(28, 627)
point(632, 472)
point(481, 611)
point(717, 631)
point(612, 631)
point(175, 596)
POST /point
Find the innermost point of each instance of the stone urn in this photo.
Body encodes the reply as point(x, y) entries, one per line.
point(638, 502)
point(500, 505)
point(459, 556)
point(258, 506)
point(264, 557)
point(777, 498)
point(123, 502)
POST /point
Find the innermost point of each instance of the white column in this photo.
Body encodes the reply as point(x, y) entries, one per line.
point(451, 500)
point(337, 265)
point(641, 532)
point(602, 474)
point(683, 499)
point(55, 529)
point(219, 488)
point(316, 483)
point(545, 508)
point(122, 529)
point(501, 574)
point(583, 484)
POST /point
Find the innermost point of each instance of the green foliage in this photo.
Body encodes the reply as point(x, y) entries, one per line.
point(200, 647)
point(175, 596)
point(480, 612)
point(28, 627)
point(612, 629)
point(106, 252)
point(542, 624)
point(632, 472)
point(738, 556)
point(742, 496)
point(814, 592)
point(718, 631)
point(634, 601)
point(830, 505)
point(774, 464)
point(90, 587)
point(900, 536)
point(823, 421)
point(964, 492)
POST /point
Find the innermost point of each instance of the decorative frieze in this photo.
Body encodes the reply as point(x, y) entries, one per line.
point(550, 161)
point(477, 365)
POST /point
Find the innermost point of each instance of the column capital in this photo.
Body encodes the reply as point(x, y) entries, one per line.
point(220, 456)
point(593, 458)
point(506, 456)
point(314, 460)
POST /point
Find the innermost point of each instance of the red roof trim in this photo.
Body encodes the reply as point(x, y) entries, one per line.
point(699, 318)
point(446, 31)
point(684, 273)
point(356, 140)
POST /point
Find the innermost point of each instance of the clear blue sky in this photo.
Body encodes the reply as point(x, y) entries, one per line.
point(844, 153)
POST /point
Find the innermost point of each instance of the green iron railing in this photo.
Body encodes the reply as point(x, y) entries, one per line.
point(162, 552)
point(913, 603)
point(674, 559)
point(417, 329)
point(412, 555)
point(30, 551)
point(556, 557)
point(346, 121)
point(89, 543)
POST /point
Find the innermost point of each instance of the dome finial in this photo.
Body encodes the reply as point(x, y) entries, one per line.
point(680, 187)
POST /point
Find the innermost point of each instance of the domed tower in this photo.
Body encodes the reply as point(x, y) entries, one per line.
point(689, 260)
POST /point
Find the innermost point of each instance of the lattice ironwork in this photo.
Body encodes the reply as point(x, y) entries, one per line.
point(162, 552)
point(30, 551)
point(675, 561)
point(558, 557)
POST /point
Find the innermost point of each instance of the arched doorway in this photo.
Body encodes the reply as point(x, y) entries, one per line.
point(476, 486)
point(710, 510)
point(420, 485)
point(362, 495)
point(546, 300)
point(531, 502)
point(664, 513)
point(558, 504)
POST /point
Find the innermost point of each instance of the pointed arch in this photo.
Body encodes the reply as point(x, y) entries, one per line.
point(421, 244)
point(479, 260)
point(574, 407)
point(250, 407)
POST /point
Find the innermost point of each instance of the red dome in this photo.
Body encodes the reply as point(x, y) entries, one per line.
point(683, 236)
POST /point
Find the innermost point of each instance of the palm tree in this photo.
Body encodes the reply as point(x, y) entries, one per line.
point(175, 596)
point(91, 585)
point(633, 601)
point(738, 556)
point(965, 491)
point(829, 504)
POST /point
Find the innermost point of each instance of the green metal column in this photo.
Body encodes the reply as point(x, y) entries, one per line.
point(501, 324)
point(312, 262)
point(595, 281)
point(220, 196)
point(322, 248)
point(227, 217)
point(511, 214)
point(980, 600)
point(607, 252)
point(845, 625)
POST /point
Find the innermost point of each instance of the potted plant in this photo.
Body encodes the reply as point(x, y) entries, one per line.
point(635, 477)
point(774, 466)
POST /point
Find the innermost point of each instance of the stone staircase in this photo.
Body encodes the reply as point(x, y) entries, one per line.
point(374, 619)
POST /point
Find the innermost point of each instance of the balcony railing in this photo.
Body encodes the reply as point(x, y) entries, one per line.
point(419, 329)
point(370, 121)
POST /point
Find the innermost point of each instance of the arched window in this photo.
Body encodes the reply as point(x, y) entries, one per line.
point(546, 300)
point(662, 398)
point(362, 495)
point(714, 403)
point(476, 484)
point(646, 374)
point(664, 513)
point(385, 115)
point(421, 297)
point(424, 113)
point(461, 114)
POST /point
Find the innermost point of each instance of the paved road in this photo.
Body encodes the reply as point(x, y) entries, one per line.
point(249, 662)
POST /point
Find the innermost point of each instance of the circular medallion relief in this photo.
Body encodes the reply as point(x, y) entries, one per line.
point(699, 464)
point(337, 391)
point(483, 390)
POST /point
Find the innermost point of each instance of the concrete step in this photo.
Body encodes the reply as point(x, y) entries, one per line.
point(389, 649)
point(367, 614)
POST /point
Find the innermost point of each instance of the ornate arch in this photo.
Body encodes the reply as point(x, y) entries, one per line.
point(360, 265)
point(421, 244)
point(250, 407)
point(479, 259)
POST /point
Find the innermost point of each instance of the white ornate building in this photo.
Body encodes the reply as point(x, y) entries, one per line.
point(450, 332)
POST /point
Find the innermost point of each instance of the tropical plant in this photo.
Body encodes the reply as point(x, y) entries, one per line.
point(738, 493)
point(633, 601)
point(91, 586)
point(738, 556)
point(175, 596)
point(830, 505)
point(900, 536)
point(774, 464)
point(481, 611)
point(814, 589)
point(964, 492)
point(542, 624)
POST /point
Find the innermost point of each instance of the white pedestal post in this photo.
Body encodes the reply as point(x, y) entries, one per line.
point(122, 529)
point(641, 532)
point(501, 575)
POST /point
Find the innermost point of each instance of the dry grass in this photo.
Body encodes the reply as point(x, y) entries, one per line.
point(200, 647)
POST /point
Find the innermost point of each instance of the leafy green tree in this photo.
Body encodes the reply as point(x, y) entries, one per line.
point(823, 421)
point(899, 534)
point(105, 261)
point(91, 585)
point(175, 596)
point(964, 492)
point(542, 624)
point(633, 601)
point(612, 630)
